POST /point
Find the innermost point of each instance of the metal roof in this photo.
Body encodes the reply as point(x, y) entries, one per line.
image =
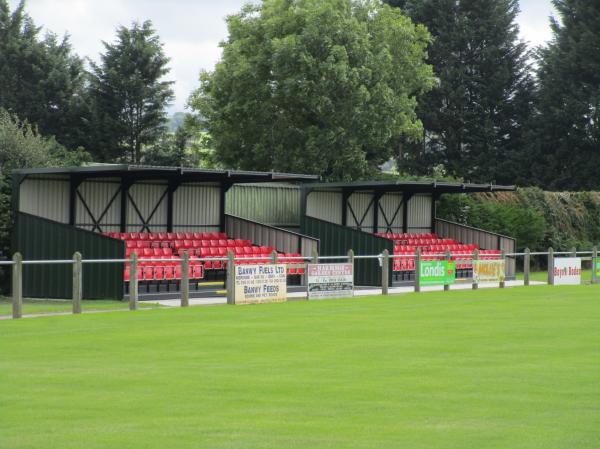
point(156, 172)
point(407, 186)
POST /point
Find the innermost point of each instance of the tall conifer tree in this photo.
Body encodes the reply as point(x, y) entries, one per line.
point(129, 95)
point(474, 120)
point(566, 154)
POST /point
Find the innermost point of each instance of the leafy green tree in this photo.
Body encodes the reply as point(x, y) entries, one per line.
point(475, 120)
point(129, 95)
point(41, 80)
point(567, 146)
point(314, 86)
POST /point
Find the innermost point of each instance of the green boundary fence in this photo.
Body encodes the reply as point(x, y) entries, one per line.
point(336, 239)
point(41, 239)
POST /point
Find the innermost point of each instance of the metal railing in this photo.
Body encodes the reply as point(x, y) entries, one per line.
point(17, 264)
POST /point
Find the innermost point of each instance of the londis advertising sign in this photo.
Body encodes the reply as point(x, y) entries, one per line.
point(437, 272)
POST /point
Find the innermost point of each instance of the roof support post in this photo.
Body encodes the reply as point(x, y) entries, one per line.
point(345, 197)
point(74, 183)
point(225, 186)
point(15, 201)
point(125, 184)
point(173, 186)
point(406, 196)
point(376, 199)
point(434, 198)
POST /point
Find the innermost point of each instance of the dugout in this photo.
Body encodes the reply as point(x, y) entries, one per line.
point(58, 211)
point(345, 215)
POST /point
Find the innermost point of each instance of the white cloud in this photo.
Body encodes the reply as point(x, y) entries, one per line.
point(190, 29)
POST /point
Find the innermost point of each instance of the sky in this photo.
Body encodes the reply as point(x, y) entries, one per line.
point(190, 29)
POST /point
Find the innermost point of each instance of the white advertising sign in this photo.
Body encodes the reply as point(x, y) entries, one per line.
point(330, 280)
point(567, 271)
point(260, 283)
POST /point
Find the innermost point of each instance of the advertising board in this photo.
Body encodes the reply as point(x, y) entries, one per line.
point(489, 270)
point(437, 272)
point(330, 280)
point(260, 283)
point(567, 271)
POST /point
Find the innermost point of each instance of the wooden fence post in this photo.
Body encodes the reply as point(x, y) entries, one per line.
point(448, 258)
point(351, 261)
point(315, 256)
point(550, 266)
point(526, 266)
point(133, 281)
point(230, 286)
point(503, 258)
point(77, 282)
point(385, 272)
point(185, 279)
point(594, 260)
point(17, 286)
point(475, 285)
point(418, 270)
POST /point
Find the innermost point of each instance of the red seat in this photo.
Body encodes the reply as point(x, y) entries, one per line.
point(148, 273)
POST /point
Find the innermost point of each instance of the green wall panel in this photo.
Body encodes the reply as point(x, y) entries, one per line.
point(337, 240)
point(41, 239)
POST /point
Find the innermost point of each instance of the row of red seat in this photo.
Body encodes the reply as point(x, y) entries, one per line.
point(170, 266)
point(405, 236)
point(438, 248)
point(165, 272)
point(408, 263)
point(166, 235)
point(202, 252)
point(186, 244)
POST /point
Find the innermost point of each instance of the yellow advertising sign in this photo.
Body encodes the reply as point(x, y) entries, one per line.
point(489, 270)
point(260, 283)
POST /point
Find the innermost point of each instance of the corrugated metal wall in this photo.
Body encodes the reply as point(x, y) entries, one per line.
point(325, 206)
point(419, 213)
point(97, 195)
point(274, 204)
point(389, 204)
point(45, 197)
point(41, 239)
point(336, 240)
point(146, 197)
point(196, 207)
point(260, 234)
point(362, 205)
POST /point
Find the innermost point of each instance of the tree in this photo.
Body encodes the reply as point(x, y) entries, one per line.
point(128, 94)
point(314, 86)
point(41, 80)
point(475, 120)
point(567, 144)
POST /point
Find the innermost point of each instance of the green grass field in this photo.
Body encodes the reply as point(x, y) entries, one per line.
point(542, 276)
point(514, 368)
point(35, 306)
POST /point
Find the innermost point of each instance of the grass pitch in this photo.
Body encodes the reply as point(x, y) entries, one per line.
point(49, 306)
point(514, 368)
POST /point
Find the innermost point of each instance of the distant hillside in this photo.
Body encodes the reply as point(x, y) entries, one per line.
point(175, 121)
